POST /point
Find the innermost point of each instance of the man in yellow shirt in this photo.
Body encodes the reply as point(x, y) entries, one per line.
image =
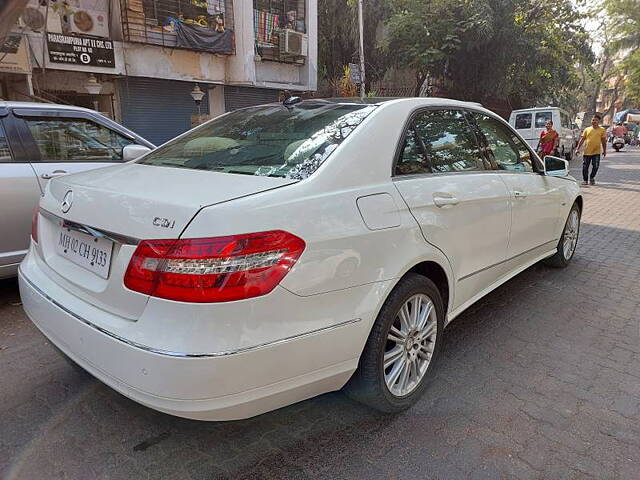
point(595, 140)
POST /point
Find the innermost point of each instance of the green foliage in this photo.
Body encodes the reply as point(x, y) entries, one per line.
point(338, 37)
point(523, 50)
point(624, 21)
point(632, 80)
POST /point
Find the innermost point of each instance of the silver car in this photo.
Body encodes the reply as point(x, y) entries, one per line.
point(39, 141)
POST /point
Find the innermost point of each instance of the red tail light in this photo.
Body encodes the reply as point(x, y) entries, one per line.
point(34, 224)
point(219, 269)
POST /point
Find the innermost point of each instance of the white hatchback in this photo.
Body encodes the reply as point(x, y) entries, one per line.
point(283, 251)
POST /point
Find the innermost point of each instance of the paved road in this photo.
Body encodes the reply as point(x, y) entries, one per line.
point(541, 379)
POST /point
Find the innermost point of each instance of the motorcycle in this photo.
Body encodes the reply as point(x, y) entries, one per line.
point(618, 143)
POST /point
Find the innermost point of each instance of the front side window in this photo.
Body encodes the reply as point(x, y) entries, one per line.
point(523, 120)
point(506, 149)
point(449, 142)
point(542, 118)
point(5, 153)
point(270, 140)
point(75, 140)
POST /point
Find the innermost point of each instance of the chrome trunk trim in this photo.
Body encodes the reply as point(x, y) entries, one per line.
point(94, 232)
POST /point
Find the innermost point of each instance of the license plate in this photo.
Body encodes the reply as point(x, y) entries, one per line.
point(90, 252)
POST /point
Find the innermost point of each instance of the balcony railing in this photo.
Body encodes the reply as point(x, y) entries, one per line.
point(201, 25)
point(272, 19)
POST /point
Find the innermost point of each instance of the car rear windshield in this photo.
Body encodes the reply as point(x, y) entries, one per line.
point(270, 140)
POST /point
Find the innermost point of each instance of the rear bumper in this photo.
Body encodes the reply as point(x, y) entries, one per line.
point(201, 387)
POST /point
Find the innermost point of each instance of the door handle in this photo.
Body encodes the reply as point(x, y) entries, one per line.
point(441, 201)
point(519, 194)
point(55, 173)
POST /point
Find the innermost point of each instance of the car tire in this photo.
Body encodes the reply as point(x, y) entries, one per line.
point(568, 240)
point(370, 383)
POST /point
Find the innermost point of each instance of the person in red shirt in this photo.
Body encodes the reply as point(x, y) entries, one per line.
point(619, 131)
point(549, 140)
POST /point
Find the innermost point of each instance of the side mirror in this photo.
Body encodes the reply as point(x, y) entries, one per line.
point(133, 151)
point(556, 166)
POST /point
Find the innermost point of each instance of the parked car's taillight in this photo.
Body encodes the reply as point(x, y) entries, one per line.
point(34, 224)
point(218, 269)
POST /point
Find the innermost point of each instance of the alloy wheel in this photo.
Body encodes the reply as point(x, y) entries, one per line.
point(410, 344)
point(571, 234)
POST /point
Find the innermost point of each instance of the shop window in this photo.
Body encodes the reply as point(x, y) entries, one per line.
point(203, 25)
point(280, 30)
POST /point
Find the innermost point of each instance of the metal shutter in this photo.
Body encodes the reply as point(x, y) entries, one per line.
point(240, 97)
point(158, 109)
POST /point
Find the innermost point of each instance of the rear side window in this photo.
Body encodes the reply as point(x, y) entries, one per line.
point(5, 153)
point(449, 142)
point(507, 150)
point(412, 157)
point(523, 120)
point(75, 140)
point(542, 118)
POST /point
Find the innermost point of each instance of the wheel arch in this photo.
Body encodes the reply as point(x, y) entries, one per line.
point(434, 267)
point(438, 275)
point(579, 201)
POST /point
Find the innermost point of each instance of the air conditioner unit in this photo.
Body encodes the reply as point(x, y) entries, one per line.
point(293, 43)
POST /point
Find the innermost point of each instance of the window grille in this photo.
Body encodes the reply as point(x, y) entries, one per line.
point(154, 21)
point(271, 18)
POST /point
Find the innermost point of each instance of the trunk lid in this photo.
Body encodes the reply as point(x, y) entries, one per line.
point(144, 201)
point(125, 204)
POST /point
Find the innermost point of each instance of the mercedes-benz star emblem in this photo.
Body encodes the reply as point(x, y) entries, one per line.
point(67, 201)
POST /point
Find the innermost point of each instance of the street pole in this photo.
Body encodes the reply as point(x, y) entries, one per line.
point(361, 29)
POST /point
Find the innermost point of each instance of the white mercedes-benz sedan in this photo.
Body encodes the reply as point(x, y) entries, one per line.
point(282, 251)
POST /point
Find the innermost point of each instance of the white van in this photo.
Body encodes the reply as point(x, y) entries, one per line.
point(530, 122)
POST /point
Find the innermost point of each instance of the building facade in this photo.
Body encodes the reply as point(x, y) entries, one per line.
point(137, 61)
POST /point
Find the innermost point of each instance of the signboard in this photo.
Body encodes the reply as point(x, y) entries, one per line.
point(13, 55)
point(354, 73)
point(80, 50)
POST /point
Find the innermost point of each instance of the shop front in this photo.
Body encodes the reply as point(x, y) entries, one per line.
point(160, 109)
point(240, 97)
point(73, 59)
point(96, 91)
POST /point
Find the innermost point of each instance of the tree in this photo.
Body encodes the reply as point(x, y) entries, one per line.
point(522, 50)
point(632, 80)
point(624, 22)
point(338, 38)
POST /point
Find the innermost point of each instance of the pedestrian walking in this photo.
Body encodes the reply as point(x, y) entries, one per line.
point(594, 139)
point(619, 131)
point(549, 140)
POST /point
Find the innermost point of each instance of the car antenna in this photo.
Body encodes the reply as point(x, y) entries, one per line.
point(289, 100)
